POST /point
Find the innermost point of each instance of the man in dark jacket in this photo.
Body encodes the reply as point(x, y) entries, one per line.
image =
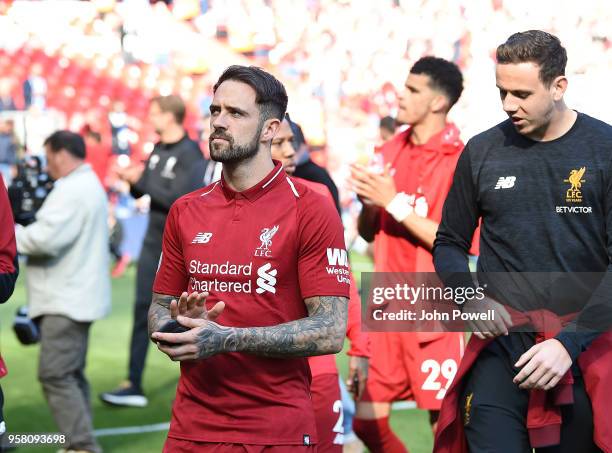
point(175, 167)
point(306, 168)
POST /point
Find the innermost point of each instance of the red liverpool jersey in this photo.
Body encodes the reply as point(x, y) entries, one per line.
point(424, 172)
point(261, 251)
point(8, 249)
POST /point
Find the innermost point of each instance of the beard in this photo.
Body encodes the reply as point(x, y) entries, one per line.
point(229, 152)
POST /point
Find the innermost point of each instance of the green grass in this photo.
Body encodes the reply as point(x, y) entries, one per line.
point(26, 410)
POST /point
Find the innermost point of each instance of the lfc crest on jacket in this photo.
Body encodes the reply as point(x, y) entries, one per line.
point(574, 194)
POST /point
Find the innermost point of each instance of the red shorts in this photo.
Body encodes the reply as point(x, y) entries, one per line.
point(173, 445)
point(329, 416)
point(416, 366)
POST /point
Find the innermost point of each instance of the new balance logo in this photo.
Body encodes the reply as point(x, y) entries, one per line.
point(267, 279)
point(201, 238)
point(337, 257)
point(505, 182)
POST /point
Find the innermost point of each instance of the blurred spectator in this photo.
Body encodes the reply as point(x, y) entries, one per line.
point(7, 103)
point(175, 167)
point(341, 77)
point(387, 128)
point(213, 169)
point(98, 154)
point(119, 129)
point(68, 260)
point(8, 150)
point(306, 168)
point(35, 89)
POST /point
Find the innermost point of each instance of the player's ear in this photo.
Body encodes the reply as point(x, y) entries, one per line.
point(558, 88)
point(439, 104)
point(269, 129)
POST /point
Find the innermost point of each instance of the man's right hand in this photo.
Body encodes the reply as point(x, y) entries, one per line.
point(358, 175)
point(358, 375)
point(489, 328)
point(203, 339)
point(194, 306)
point(131, 173)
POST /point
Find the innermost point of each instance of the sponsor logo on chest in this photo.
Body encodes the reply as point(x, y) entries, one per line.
point(229, 277)
point(266, 280)
point(235, 277)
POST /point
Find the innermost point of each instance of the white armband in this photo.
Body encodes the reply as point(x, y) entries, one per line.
point(400, 207)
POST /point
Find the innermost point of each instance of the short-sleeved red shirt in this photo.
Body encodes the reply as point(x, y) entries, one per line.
point(424, 172)
point(262, 251)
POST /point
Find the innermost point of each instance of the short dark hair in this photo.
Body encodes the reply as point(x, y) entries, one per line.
point(173, 104)
point(388, 123)
point(298, 134)
point(270, 94)
point(535, 46)
point(444, 76)
point(69, 141)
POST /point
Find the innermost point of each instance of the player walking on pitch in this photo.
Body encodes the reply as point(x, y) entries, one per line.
point(401, 211)
point(244, 382)
point(541, 184)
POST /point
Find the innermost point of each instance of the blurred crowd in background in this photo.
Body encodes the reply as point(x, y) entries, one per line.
point(92, 67)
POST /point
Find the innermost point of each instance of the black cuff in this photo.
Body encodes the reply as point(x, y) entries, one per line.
point(569, 342)
point(576, 342)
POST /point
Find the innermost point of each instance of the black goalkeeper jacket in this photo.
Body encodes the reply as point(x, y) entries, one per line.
point(544, 207)
point(172, 170)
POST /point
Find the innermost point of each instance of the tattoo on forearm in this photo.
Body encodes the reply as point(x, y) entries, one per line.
point(322, 332)
point(159, 311)
point(215, 339)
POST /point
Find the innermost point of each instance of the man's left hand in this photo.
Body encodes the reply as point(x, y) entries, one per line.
point(204, 339)
point(194, 306)
point(377, 188)
point(544, 364)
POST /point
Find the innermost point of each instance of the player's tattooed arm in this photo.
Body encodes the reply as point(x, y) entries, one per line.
point(159, 311)
point(322, 332)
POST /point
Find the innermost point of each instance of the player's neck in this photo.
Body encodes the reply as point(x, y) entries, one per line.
point(422, 132)
point(243, 175)
point(172, 135)
point(561, 122)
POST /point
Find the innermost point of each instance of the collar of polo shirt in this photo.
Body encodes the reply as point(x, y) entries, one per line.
point(274, 177)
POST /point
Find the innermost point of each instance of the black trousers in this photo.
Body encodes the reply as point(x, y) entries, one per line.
point(494, 411)
point(145, 276)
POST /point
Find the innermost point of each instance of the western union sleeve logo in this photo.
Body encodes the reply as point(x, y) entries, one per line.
point(574, 194)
